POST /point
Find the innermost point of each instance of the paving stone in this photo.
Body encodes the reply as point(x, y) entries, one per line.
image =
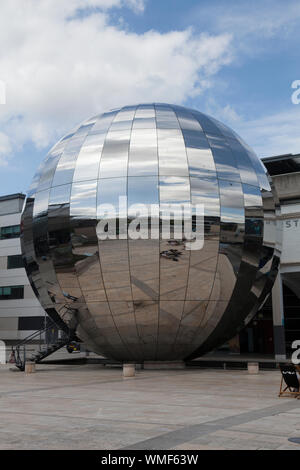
point(91, 407)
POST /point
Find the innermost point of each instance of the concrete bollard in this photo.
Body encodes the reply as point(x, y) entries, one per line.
point(29, 367)
point(128, 370)
point(253, 367)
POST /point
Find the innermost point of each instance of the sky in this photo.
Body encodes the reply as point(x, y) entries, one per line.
point(63, 61)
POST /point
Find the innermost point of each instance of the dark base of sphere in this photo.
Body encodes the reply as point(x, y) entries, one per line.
point(187, 340)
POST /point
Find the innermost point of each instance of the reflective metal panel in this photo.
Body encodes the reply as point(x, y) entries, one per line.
point(144, 117)
point(207, 124)
point(29, 256)
point(166, 117)
point(60, 195)
point(231, 239)
point(224, 130)
point(146, 314)
point(143, 253)
point(203, 262)
point(226, 164)
point(104, 322)
point(66, 164)
point(115, 269)
point(83, 199)
point(114, 158)
point(42, 241)
point(113, 253)
point(87, 163)
point(143, 158)
point(109, 192)
point(187, 120)
point(260, 171)
point(254, 225)
point(232, 206)
point(206, 191)
point(170, 313)
point(200, 157)
point(124, 319)
point(102, 123)
point(244, 162)
point(49, 169)
point(171, 153)
point(35, 180)
point(190, 326)
point(41, 203)
point(174, 193)
point(259, 167)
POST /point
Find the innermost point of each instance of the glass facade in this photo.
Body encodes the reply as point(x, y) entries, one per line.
point(15, 262)
point(11, 292)
point(13, 231)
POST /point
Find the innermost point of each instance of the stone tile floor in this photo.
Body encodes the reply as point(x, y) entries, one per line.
point(93, 407)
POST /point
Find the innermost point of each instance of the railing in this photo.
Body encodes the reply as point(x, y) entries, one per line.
point(49, 345)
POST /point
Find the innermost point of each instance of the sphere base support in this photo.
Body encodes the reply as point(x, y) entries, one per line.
point(128, 370)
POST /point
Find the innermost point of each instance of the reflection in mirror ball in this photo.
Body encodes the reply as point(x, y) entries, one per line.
point(151, 298)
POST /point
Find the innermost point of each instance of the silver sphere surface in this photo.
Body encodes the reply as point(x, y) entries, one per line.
point(146, 299)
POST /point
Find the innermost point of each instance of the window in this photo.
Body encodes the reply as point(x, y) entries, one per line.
point(11, 292)
point(15, 261)
point(12, 231)
point(31, 323)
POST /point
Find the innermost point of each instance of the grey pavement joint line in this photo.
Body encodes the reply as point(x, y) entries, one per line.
point(85, 384)
point(89, 418)
point(188, 433)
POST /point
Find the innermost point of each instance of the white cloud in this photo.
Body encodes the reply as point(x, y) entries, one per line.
point(225, 113)
point(5, 148)
point(264, 18)
point(137, 6)
point(256, 18)
point(257, 28)
point(268, 134)
point(61, 67)
point(253, 24)
point(275, 134)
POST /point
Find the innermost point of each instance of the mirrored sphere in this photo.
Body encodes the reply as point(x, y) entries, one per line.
point(151, 295)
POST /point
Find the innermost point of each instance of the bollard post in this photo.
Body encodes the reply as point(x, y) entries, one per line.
point(29, 367)
point(128, 370)
point(253, 367)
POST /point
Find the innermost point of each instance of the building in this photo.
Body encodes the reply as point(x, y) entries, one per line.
point(277, 325)
point(273, 329)
point(140, 286)
point(285, 171)
point(20, 311)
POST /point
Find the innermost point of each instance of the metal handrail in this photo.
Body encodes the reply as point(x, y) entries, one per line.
point(59, 342)
point(43, 330)
point(33, 335)
point(20, 349)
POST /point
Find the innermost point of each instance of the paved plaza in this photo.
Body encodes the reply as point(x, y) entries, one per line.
point(93, 407)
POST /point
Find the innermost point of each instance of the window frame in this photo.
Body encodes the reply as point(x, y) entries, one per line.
point(11, 292)
point(9, 234)
point(16, 266)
